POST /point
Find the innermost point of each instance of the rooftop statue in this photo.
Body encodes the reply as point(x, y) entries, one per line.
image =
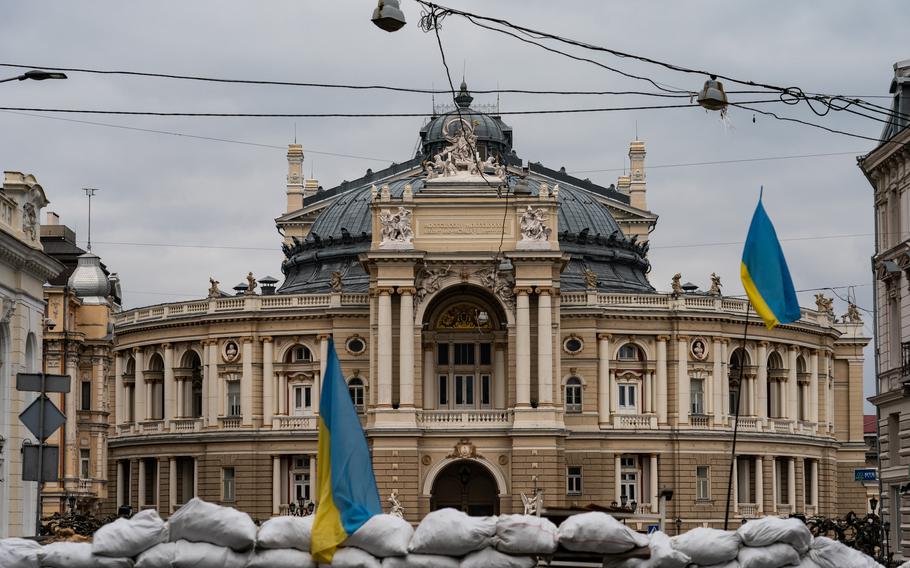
point(715, 285)
point(251, 284)
point(214, 292)
point(824, 305)
point(675, 285)
point(460, 157)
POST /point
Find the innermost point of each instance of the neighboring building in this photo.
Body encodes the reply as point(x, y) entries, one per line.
point(887, 168)
point(24, 269)
point(499, 334)
point(870, 435)
point(80, 303)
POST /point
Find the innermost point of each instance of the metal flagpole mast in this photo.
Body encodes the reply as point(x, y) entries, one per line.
point(738, 401)
point(89, 192)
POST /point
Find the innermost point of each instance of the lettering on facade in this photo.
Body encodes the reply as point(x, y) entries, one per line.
point(461, 228)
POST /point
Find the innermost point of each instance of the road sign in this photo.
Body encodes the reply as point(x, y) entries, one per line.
point(653, 528)
point(865, 475)
point(32, 382)
point(49, 463)
point(32, 417)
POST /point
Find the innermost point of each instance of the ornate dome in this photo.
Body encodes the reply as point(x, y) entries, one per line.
point(88, 280)
point(493, 135)
point(587, 231)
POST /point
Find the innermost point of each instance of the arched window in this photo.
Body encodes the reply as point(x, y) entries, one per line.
point(155, 374)
point(573, 395)
point(356, 390)
point(299, 354)
point(776, 374)
point(739, 360)
point(630, 352)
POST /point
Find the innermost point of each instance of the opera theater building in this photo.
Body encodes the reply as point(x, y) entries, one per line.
point(502, 341)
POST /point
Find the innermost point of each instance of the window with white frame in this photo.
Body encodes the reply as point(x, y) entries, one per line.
point(573, 480)
point(486, 387)
point(300, 480)
point(356, 390)
point(573, 395)
point(702, 483)
point(228, 484)
point(628, 478)
point(301, 354)
point(697, 396)
point(629, 352)
point(303, 399)
point(627, 400)
point(233, 398)
point(85, 464)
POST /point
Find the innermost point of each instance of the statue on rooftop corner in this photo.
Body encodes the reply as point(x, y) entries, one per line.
point(214, 292)
point(824, 305)
point(715, 285)
point(336, 282)
point(675, 285)
point(852, 315)
point(533, 225)
point(395, 228)
point(590, 279)
point(251, 285)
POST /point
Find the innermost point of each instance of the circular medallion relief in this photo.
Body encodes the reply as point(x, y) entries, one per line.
point(573, 345)
point(699, 349)
point(425, 460)
point(230, 352)
point(355, 345)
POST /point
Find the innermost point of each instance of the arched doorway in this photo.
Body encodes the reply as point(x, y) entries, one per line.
point(466, 486)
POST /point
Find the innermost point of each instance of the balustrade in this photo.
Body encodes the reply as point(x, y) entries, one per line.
point(784, 508)
point(229, 422)
point(464, 418)
point(186, 424)
point(699, 421)
point(294, 423)
point(748, 510)
point(632, 421)
point(151, 426)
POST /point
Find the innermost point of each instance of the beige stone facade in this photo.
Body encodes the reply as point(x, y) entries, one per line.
point(499, 336)
point(24, 268)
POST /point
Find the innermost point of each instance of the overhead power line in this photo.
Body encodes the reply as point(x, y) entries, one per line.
point(718, 162)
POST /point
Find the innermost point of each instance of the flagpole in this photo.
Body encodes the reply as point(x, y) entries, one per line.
point(738, 397)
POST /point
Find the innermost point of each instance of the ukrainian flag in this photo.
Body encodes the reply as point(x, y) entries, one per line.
point(347, 487)
point(765, 275)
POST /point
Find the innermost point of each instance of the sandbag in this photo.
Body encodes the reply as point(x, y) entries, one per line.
point(350, 557)
point(807, 562)
point(598, 532)
point(130, 537)
point(420, 561)
point(77, 555)
point(159, 556)
point(730, 564)
point(492, 558)
point(207, 555)
point(450, 532)
point(383, 536)
point(19, 553)
point(828, 553)
point(526, 534)
point(286, 532)
point(774, 556)
point(281, 558)
point(770, 530)
point(663, 555)
point(199, 521)
point(708, 546)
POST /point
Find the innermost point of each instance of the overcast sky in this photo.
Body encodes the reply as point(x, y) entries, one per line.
point(199, 194)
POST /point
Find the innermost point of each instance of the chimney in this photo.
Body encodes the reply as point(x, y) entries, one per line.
point(900, 88)
point(53, 218)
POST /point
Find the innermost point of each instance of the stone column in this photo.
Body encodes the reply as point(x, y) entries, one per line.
point(522, 348)
point(775, 498)
point(323, 361)
point(792, 386)
point(648, 393)
point(661, 379)
point(682, 380)
point(499, 377)
point(725, 379)
point(276, 485)
point(246, 383)
point(118, 393)
point(429, 379)
point(617, 465)
point(385, 348)
point(719, 379)
point(180, 411)
point(141, 474)
point(314, 480)
point(195, 478)
point(813, 387)
point(759, 485)
point(762, 380)
point(121, 483)
point(268, 381)
point(171, 485)
point(813, 475)
point(791, 483)
point(544, 347)
point(283, 394)
point(735, 484)
point(214, 384)
point(655, 494)
point(406, 348)
point(170, 386)
point(604, 388)
point(139, 387)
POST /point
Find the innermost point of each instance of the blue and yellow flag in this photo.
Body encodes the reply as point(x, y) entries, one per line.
point(347, 487)
point(765, 275)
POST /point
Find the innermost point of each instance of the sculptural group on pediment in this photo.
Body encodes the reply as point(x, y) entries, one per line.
point(533, 225)
point(461, 157)
point(395, 227)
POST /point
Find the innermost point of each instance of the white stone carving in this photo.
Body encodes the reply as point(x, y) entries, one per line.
point(533, 505)
point(397, 510)
point(460, 159)
point(29, 221)
point(428, 282)
point(395, 229)
point(535, 234)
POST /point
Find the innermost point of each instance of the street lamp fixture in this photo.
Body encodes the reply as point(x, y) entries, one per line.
point(712, 95)
point(36, 75)
point(388, 16)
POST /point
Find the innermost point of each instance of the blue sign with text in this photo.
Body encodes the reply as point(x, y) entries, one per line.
point(865, 475)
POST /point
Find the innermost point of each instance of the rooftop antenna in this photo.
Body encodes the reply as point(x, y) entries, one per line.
point(636, 130)
point(89, 192)
point(295, 132)
point(498, 111)
point(312, 169)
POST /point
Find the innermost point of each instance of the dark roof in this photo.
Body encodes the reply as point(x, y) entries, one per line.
point(870, 424)
point(59, 242)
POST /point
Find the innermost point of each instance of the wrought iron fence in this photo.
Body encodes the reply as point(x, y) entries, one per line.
point(866, 534)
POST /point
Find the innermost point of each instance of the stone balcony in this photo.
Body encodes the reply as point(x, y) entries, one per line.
point(457, 419)
point(634, 421)
point(748, 510)
point(294, 422)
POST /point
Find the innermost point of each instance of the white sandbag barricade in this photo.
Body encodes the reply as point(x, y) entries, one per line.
point(598, 533)
point(771, 530)
point(19, 553)
point(199, 521)
point(383, 536)
point(130, 537)
point(286, 532)
point(449, 532)
point(158, 556)
point(280, 558)
point(492, 558)
point(421, 561)
point(777, 555)
point(663, 555)
point(77, 555)
point(526, 534)
point(707, 547)
point(350, 557)
point(827, 553)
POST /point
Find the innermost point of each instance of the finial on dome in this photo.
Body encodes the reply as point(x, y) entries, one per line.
point(464, 97)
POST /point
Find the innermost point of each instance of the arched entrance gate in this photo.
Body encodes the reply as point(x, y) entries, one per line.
point(467, 486)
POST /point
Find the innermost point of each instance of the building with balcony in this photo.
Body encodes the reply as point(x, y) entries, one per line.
point(887, 168)
point(499, 336)
point(24, 269)
point(78, 342)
